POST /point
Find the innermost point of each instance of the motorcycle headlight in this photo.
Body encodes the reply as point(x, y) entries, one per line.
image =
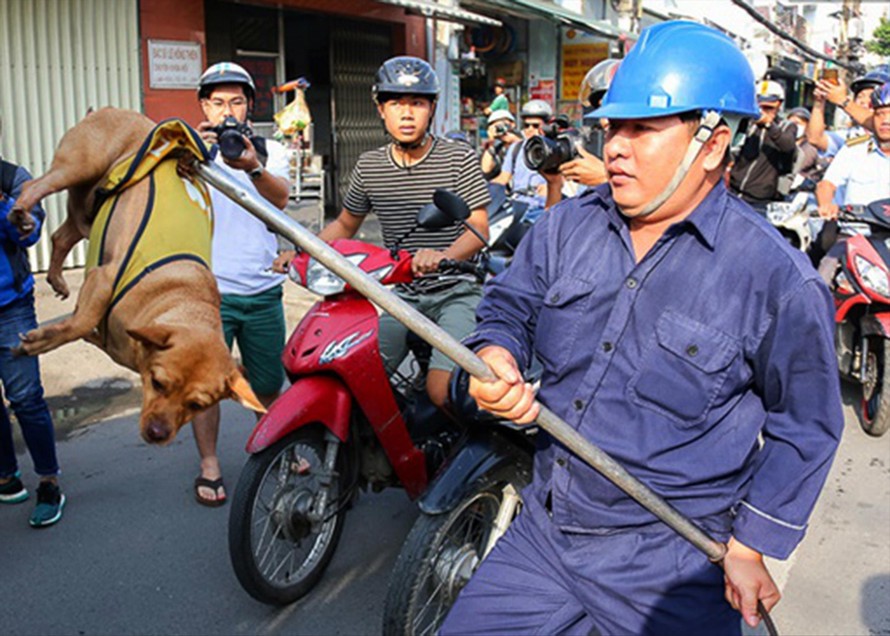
point(873, 277)
point(324, 282)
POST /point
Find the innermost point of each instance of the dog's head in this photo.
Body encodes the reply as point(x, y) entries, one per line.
point(184, 371)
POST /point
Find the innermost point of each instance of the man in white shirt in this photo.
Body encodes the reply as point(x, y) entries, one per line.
point(862, 169)
point(243, 253)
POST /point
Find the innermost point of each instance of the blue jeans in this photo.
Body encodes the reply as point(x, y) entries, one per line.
point(21, 385)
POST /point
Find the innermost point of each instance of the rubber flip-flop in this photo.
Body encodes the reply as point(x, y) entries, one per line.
point(212, 484)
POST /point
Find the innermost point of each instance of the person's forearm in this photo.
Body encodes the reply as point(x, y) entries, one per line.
point(336, 229)
point(825, 192)
point(503, 178)
point(861, 115)
point(489, 162)
point(276, 190)
point(467, 244)
point(816, 127)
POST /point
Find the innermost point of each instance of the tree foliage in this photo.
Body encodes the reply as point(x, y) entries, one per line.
point(880, 43)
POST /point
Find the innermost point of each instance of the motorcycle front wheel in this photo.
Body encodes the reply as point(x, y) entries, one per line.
point(875, 413)
point(440, 555)
point(279, 541)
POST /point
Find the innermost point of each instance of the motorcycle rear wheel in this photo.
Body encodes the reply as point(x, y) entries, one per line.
point(438, 558)
point(875, 412)
point(278, 551)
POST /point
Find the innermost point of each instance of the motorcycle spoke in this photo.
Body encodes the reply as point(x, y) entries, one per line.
point(470, 529)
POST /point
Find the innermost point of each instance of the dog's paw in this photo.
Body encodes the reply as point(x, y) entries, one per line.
point(60, 287)
point(22, 220)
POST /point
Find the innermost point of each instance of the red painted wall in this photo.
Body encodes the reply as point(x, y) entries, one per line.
point(181, 20)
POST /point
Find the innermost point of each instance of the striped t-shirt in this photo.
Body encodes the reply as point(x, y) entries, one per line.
point(396, 194)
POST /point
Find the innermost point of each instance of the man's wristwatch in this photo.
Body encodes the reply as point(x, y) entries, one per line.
point(256, 173)
point(845, 103)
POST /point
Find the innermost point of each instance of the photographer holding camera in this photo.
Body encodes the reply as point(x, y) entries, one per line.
point(527, 185)
point(244, 252)
point(585, 166)
point(502, 133)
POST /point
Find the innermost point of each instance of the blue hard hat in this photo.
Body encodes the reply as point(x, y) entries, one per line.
point(678, 67)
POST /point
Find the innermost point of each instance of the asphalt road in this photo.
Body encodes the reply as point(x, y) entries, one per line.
point(135, 555)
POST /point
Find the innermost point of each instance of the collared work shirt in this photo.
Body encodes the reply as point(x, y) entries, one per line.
point(677, 366)
point(863, 171)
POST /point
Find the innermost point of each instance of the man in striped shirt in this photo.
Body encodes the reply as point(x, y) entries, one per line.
point(395, 181)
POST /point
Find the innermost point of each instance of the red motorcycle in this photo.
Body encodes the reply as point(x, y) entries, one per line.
point(344, 425)
point(861, 289)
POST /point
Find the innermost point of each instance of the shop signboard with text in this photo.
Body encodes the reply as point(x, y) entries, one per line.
point(174, 64)
point(577, 59)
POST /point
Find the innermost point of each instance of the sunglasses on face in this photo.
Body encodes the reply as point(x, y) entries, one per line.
point(532, 125)
point(768, 108)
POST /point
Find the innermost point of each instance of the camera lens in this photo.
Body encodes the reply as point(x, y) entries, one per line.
point(536, 152)
point(231, 144)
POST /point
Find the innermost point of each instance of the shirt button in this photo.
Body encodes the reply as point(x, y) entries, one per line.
point(555, 298)
point(631, 283)
point(692, 350)
point(607, 347)
point(560, 462)
point(578, 404)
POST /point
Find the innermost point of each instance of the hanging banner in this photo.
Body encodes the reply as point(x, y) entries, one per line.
point(544, 89)
point(577, 59)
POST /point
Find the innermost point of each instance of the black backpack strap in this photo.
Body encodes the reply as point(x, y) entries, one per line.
point(7, 177)
point(16, 255)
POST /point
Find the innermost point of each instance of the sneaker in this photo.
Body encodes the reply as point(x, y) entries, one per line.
point(13, 491)
point(50, 502)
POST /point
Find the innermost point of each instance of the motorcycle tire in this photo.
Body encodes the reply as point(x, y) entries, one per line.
point(875, 413)
point(439, 555)
point(278, 554)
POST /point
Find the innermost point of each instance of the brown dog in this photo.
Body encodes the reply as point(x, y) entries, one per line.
point(167, 327)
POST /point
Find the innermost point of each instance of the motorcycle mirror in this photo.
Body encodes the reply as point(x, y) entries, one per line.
point(451, 204)
point(456, 208)
point(431, 217)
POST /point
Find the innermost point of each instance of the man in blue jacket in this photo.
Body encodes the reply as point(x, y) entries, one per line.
point(21, 374)
point(679, 333)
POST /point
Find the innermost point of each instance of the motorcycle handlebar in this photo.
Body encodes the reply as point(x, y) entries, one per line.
point(464, 267)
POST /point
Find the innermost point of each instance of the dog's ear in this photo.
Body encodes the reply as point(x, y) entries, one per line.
point(155, 336)
point(240, 391)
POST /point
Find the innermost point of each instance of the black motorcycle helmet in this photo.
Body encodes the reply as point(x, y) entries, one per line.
point(872, 79)
point(405, 75)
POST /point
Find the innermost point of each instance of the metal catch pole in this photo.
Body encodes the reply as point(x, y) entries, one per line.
point(290, 229)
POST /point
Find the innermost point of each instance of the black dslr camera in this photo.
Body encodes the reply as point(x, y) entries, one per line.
point(559, 144)
point(229, 137)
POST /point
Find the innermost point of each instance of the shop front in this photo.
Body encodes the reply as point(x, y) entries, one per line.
point(542, 51)
point(337, 45)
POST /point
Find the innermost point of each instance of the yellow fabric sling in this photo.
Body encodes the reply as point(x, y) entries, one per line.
point(177, 223)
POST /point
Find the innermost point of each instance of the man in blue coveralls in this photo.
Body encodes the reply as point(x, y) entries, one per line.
point(684, 337)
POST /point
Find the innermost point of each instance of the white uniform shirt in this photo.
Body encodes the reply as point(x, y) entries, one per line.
point(863, 169)
point(243, 249)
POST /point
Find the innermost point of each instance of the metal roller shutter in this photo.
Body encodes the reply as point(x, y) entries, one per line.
point(57, 59)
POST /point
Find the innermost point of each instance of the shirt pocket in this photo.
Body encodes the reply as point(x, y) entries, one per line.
point(559, 321)
point(682, 371)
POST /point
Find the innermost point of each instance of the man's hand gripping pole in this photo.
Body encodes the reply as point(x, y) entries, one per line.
point(290, 229)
